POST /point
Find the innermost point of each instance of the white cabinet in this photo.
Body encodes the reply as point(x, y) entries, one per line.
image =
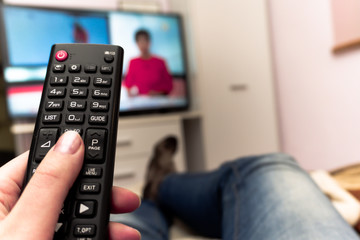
point(135, 142)
point(234, 78)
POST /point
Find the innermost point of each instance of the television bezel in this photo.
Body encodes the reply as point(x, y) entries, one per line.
point(127, 113)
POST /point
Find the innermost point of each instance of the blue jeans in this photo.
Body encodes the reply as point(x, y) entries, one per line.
point(261, 197)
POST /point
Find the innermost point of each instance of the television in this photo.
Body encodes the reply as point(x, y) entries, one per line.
point(152, 83)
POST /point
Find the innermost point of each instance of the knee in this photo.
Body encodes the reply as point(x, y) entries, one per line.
point(274, 158)
point(254, 163)
point(237, 171)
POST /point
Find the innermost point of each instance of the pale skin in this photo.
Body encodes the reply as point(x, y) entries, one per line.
point(33, 214)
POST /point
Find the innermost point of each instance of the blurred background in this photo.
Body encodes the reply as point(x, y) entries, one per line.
point(248, 77)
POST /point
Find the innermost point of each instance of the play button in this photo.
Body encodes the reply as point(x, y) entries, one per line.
point(83, 208)
point(86, 209)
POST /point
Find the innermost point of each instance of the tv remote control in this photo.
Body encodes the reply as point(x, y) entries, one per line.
point(81, 93)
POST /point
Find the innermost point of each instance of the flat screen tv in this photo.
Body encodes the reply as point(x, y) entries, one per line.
point(155, 74)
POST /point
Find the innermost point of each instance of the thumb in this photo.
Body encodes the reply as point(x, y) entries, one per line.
point(38, 208)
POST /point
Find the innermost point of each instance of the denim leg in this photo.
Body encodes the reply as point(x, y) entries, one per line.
point(270, 197)
point(261, 197)
point(147, 219)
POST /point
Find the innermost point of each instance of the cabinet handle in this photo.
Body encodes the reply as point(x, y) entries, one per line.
point(124, 142)
point(236, 87)
point(125, 174)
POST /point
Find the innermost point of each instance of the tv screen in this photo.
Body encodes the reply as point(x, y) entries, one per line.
point(154, 78)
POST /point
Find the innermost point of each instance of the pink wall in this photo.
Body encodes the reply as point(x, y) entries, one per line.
point(318, 92)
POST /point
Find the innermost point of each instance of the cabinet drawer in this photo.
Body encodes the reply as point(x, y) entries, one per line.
point(141, 139)
point(130, 171)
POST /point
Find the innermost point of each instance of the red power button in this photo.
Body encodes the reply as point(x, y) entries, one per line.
point(61, 55)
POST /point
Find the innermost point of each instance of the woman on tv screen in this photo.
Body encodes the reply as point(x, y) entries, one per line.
point(147, 74)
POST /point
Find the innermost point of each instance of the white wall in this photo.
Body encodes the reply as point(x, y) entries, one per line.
point(319, 92)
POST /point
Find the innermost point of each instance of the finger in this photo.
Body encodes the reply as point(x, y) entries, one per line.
point(39, 206)
point(124, 201)
point(15, 169)
point(11, 180)
point(118, 231)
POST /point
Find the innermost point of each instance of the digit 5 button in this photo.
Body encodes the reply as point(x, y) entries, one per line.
point(61, 55)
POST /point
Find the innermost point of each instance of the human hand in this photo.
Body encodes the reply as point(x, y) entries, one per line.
point(34, 214)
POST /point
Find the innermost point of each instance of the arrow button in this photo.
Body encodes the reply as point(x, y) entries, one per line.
point(85, 208)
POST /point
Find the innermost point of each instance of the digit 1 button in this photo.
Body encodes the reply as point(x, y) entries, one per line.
point(46, 140)
point(95, 144)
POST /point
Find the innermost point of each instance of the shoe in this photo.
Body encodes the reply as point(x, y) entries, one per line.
point(161, 165)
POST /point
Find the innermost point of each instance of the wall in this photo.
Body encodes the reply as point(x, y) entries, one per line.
point(318, 92)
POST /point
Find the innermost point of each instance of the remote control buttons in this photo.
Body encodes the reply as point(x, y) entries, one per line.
point(75, 129)
point(101, 93)
point(80, 81)
point(58, 81)
point(58, 68)
point(108, 58)
point(74, 118)
point(85, 230)
point(54, 105)
point(61, 55)
point(90, 68)
point(98, 119)
point(106, 69)
point(51, 118)
point(95, 144)
point(99, 106)
point(74, 68)
point(47, 139)
point(92, 172)
point(76, 105)
point(78, 92)
point(85, 208)
point(56, 92)
point(90, 188)
point(102, 82)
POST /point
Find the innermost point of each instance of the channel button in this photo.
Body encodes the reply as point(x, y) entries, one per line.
point(94, 145)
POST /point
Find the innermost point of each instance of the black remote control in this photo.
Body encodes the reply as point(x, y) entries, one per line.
point(82, 93)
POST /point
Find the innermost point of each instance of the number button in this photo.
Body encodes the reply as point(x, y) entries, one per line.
point(101, 93)
point(54, 105)
point(76, 105)
point(80, 81)
point(56, 92)
point(58, 81)
point(78, 92)
point(99, 106)
point(74, 118)
point(102, 82)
